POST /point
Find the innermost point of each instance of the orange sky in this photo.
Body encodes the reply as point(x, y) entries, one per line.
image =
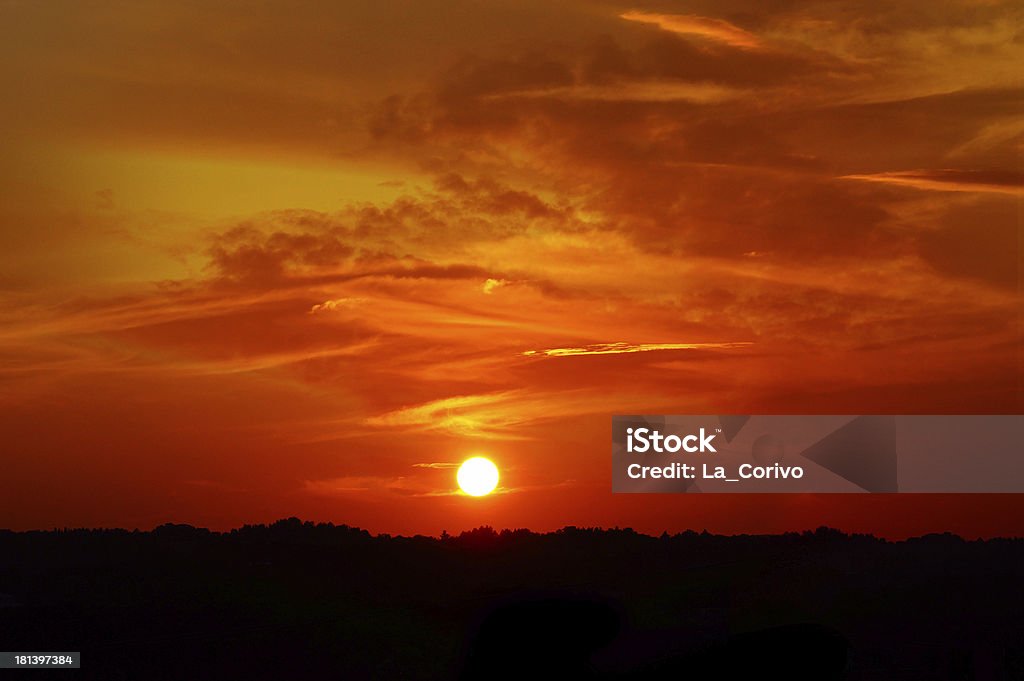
point(283, 259)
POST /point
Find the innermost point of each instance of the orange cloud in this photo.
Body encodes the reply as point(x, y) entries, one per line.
point(622, 348)
point(950, 180)
point(689, 24)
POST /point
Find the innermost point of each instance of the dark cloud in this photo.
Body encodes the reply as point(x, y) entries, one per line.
point(245, 254)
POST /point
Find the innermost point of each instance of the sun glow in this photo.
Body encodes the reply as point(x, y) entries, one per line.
point(477, 476)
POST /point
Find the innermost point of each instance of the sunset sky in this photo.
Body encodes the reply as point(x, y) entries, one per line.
point(264, 259)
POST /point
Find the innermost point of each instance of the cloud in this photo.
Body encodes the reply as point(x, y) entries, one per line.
point(491, 285)
point(484, 415)
point(396, 486)
point(705, 27)
point(365, 484)
point(245, 254)
point(628, 348)
point(336, 304)
point(508, 415)
point(1002, 182)
point(637, 91)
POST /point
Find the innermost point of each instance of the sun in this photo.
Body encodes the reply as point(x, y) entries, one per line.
point(477, 476)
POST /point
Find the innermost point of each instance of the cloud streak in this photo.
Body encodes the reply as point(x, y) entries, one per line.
point(629, 348)
point(999, 182)
point(690, 24)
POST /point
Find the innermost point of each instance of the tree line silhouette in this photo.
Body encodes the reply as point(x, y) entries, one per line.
point(297, 599)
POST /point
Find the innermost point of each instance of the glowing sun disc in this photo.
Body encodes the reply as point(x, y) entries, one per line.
point(477, 476)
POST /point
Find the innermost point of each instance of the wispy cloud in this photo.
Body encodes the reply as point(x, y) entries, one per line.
point(1001, 182)
point(625, 348)
point(363, 483)
point(502, 415)
point(633, 91)
point(336, 304)
point(397, 486)
point(487, 415)
point(691, 24)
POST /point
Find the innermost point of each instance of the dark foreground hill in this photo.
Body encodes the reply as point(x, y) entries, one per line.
point(302, 601)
